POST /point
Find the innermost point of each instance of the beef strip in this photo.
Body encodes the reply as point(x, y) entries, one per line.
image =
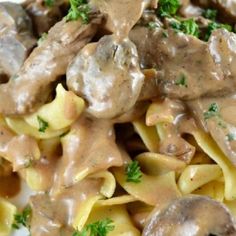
point(31, 87)
point(16, 39)
point(181, 61)
point(222, 124)
point(226, 8)
point(44, 17)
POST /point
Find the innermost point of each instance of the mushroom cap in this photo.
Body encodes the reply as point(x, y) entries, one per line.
point(191, 216)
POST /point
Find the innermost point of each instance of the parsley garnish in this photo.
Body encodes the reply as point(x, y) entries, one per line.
point(210, 14)
point(43, 125)
point(79, 9)
point(231, 137)
point(212, 111)
point(168, 8)
point(42, 38)
point(133, 172)
point(182, 81)
point(187, 26)
point(165, 34)
point(49, 3)
point(22, 219)
point(152, 25)
point(213, 26)
point(99, 228)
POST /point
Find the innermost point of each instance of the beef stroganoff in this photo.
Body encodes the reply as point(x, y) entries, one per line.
point(118, 117)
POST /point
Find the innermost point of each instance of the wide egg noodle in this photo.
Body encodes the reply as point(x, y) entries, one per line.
point(153, 190)
point(19, 126)
point(213, 189)
point(195, 176)
point(7, 212)
point(39, 176)
point(123, 225)
point(148, 134)
point(229, 171)
point(61, 112)
point(157, 164)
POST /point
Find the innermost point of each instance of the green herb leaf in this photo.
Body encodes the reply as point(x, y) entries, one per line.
point(99, 228)
point(213, 26)
point(133, 172)
point(182, 81)
point(213, 110)
point(165, 34)
point(42, 38)
point(49, 3)
point(210, 14)
point(152, 25)
point(231, 137)
point(168, 8)
point(187, 26)
point(79, 9)
point(22, 219)
point(43, 125)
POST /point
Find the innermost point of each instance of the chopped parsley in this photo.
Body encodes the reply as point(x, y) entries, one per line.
point(231, 137)
point(133, 172)
point(42, 38)
point(165, 34)
point(212, 111)
point(22, 219)
point(79, 9)
point(99, 228)
point(182, 81)
point(153, 25)
point(49, 3)
point(43, 125)
point(168, 8)
point(186, 26)
point(213, 26)
point(210, 14)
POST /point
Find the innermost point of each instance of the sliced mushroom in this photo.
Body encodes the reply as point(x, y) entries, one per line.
point(191, 216)
point(16, 39)
point(108, 76)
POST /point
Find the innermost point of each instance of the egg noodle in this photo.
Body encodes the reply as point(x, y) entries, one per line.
point(102, 149)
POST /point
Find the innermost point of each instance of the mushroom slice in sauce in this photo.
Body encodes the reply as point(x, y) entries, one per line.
point(181, 60)
point(32, 85)
point(192, 216)
point(16, 39)
point(107, 75)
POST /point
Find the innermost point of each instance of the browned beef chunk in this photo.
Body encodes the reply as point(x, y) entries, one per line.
point(31, 87)
point(187, 67)
point(44, 17)
point(226, 8)
point(16, 39)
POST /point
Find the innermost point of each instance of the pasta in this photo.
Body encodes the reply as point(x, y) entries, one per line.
point(120, 121)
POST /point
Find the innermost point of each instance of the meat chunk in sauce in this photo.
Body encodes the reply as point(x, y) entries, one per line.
point(44, 17)
point(192, 216)
point(47, 62)
point(221, 124)
point(16, 39)
point(108, 76)
point(226, 8)
point(182, 59)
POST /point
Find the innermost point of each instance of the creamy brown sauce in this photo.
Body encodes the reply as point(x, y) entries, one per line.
point(118, 75)
point(14, 181)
